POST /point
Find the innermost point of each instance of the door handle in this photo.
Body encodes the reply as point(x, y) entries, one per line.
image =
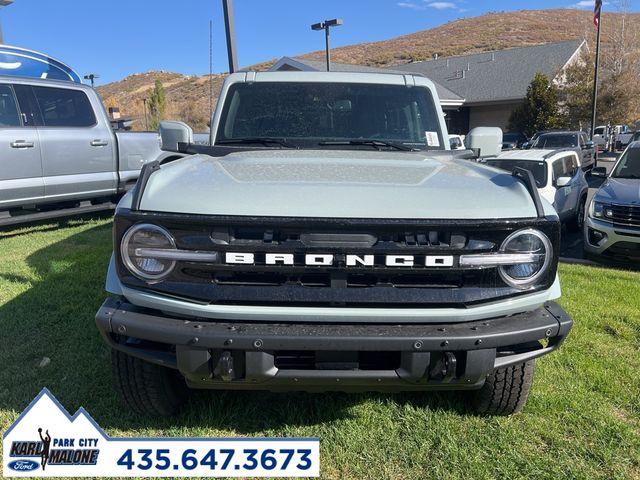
point(99, 143)
point(21, 144)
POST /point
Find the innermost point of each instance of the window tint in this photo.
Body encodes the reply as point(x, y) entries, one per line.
point(558, 169)
point(9, 115)
point(554, 140)
point(569, 166)
point(306, 113)
point(64, 108)
point(538, 169)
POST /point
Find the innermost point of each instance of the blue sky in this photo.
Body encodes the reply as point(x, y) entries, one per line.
point(115, 38)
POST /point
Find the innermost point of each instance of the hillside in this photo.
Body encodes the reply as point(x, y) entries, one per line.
point(188, 96)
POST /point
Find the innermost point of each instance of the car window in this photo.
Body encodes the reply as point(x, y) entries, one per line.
point(555, 140)
point(629, 165)
point(558, 168)
point(598, 131)
point(63, 107)
point(9, 115)
point(538, 169)
point(307, 113)
point(569, 166)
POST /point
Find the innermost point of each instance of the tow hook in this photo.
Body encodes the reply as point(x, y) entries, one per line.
point(444, 368)
point(224, 368)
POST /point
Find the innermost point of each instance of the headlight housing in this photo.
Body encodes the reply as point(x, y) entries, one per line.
point(142, 251)
point(536, 250)
point(601, 211)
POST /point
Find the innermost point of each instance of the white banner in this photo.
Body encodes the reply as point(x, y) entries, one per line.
point(45, 441)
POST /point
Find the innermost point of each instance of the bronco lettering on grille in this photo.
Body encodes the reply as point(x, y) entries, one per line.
point(328, 259)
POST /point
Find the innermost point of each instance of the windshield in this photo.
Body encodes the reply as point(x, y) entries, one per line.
point(539, 169)
point(511, 137)
point(549, 140)
point(307, 114)
point(629, 165)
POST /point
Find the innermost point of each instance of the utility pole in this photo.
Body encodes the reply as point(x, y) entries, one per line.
point(227, 6)
point(597, 21)
point(326, 25)
point(210, 68)
point(146, 121)
point(3, 3)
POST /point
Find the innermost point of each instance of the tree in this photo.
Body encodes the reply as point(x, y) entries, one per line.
point(540, 108)
point(157, 105)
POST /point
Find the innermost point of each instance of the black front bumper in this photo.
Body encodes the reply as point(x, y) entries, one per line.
point(233, 355)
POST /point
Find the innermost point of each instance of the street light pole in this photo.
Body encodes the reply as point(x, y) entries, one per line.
point(3, 3)
point(326, 25)
point(91, 77)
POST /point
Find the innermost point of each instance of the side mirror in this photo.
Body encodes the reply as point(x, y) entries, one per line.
point(588, 145)
point(563, 182)
point(173, 133)
point(599, 172)
point(486, 140)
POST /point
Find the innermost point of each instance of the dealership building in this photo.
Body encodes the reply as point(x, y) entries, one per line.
point(480, 89)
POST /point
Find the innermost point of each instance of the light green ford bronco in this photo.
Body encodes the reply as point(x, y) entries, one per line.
point(329, 239)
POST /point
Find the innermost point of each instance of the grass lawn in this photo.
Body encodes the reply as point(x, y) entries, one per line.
point(582, 419)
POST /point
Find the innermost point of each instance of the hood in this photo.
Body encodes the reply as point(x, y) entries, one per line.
point(337, 184)
point(622, 191)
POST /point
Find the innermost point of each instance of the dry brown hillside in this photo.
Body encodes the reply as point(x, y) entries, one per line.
point(188, 96)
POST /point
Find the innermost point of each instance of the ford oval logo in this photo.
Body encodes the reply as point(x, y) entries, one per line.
point(23, 465)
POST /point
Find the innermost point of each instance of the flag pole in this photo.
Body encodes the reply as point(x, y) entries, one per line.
point(594, 101)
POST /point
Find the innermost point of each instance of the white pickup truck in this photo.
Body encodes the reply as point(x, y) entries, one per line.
point(620, 134)
point(57, 149)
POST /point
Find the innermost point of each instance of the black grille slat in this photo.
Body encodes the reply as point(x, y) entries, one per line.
point(627, 215)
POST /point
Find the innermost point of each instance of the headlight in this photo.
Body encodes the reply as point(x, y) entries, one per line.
point(600, 210)
point(144, 248)
point(536, 253)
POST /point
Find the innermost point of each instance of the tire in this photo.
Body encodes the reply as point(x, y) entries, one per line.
point(147, 389)
point(505, 391)
point(577, 223)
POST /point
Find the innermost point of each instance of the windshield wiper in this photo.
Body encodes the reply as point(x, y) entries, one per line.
point(629, 177)
point(263, 140)
point(374, 143)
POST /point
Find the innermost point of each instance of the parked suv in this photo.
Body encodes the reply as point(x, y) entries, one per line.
point(613, 224)
point(577, 141)
point(329, 239)
point(558, 177)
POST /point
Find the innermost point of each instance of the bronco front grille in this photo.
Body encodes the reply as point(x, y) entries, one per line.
point(337, 284)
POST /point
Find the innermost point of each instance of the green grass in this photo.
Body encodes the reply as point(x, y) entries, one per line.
point(582, 419)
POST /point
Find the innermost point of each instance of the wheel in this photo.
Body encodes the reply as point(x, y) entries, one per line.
point(577, 223)
point(146, 388)
point(505, 391)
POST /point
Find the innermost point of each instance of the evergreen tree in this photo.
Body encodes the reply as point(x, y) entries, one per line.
point(157, 105)
point(540, 108)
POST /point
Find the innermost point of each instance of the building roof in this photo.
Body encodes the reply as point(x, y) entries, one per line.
point(502, 75)
point(447, 97)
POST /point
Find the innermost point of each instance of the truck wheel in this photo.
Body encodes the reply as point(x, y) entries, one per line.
point(577, 223)
point(146, 388)
point(505, 391)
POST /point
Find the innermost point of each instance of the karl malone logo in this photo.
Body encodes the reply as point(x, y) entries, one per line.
point(45, 436)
